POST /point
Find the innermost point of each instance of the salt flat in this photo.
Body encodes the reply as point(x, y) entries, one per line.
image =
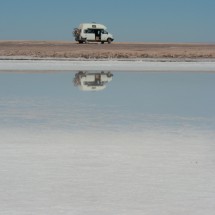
point(111, 65)
point(147, 172)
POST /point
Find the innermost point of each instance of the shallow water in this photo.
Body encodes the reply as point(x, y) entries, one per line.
point(144, 144)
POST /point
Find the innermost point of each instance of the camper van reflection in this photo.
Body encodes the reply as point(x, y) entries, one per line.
point(94, 81)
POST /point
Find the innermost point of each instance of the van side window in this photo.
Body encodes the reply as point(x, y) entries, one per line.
point(90, 31)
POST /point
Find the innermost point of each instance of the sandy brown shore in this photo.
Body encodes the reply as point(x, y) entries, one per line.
point(62, 49)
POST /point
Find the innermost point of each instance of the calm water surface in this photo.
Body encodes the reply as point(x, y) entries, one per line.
point(132, 98)
point(143, 145)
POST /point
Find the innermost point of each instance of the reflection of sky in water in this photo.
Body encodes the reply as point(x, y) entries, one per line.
point(145, 145)
point(131, 101)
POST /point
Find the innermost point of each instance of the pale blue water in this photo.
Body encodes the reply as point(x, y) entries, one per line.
point(131, 99)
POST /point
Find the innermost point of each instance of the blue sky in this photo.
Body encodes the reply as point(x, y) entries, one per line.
point(137, 21)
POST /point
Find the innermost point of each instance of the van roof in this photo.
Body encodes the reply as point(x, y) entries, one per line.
point(92, 25)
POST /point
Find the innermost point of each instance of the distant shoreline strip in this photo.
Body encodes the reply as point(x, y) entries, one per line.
point(106, 65)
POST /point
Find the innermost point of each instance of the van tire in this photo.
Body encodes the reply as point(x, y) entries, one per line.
point(109, 40)
point(102, 42)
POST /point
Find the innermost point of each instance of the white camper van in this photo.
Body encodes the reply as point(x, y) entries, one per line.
point(92, 32)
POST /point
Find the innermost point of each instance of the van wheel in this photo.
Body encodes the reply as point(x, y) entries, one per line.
point(109, 40)
point(102, 42)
